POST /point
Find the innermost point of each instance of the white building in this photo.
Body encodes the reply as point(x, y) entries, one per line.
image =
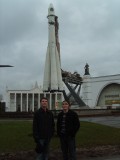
point(29, 100)
point(101, 92)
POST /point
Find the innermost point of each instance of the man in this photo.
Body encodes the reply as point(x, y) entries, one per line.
point(43, 129)
point(67, 127)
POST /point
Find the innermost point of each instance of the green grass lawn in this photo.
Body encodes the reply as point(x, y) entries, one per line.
point(17, 135)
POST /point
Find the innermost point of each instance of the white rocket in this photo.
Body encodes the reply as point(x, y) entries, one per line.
point(52, 72)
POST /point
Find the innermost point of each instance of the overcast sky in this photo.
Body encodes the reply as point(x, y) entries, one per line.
point(89, 32)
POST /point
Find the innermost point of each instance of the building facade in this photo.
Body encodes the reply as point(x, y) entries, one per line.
point(101, 92)
point(29, 100)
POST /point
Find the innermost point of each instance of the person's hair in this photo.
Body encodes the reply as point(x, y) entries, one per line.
point(66, 101)
point(43, 98)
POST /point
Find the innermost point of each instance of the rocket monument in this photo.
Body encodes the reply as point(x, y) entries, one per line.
point(52, 72)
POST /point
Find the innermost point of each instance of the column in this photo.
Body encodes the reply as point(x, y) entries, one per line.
point(21, 103)
point(38, 100)
point(27, 103)
point(33, 102)
point(15, 103)
point(56, 100)
point(44, 94)
point(50, 102)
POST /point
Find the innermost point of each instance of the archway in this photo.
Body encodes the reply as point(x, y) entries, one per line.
point(110, 95)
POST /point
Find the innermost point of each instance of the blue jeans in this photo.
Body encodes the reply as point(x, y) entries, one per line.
point(68, 147)
point(44, 155)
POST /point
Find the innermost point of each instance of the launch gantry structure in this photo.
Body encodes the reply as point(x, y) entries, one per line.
point(73, 82)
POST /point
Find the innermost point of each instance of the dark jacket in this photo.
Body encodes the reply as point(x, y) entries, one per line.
point(72, 123)
point(43, 125)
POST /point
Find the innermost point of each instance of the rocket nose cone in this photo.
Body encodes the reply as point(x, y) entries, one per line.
point(51, 9)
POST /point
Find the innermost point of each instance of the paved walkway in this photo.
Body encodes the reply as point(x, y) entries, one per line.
point(117, 157)
point(113, 121)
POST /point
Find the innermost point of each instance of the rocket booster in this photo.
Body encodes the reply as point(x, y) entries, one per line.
point(52, 71)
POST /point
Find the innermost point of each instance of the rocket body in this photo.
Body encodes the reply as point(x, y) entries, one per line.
point(52, 72)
